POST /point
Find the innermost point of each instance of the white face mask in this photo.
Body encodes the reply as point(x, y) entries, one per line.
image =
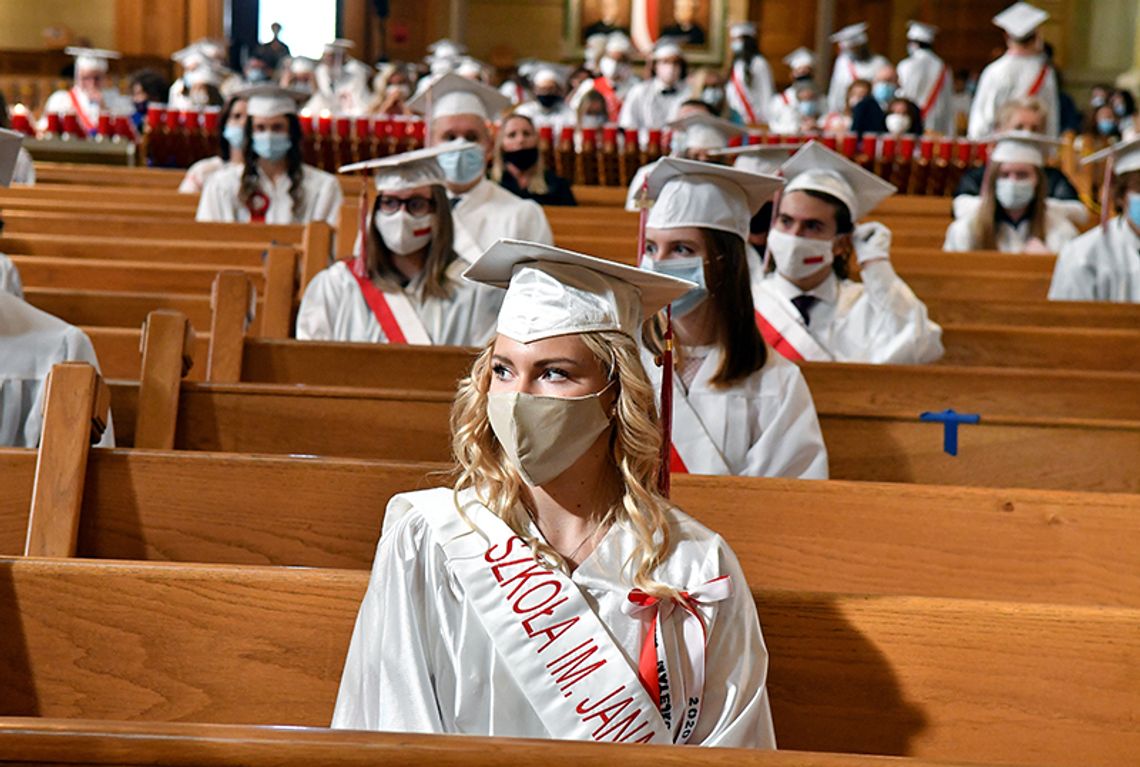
point(610, 68)
point(898, 124)
point(1015, 194)
point(798, 257)
point(543, 436)
point(404, 233)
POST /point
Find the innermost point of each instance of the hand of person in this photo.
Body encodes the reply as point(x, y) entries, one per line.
point(1036, 247)
point(872, 242)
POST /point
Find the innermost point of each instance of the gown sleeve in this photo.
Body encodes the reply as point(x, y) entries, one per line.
point(78, 348)
point(10, 278)
point(387, 682)
point(897, 325)
point(736, 712)
point(957, 236)
point(790, 443)
point(316, 316)
point(214, 204)
point(328, 202)
point(1073, 278)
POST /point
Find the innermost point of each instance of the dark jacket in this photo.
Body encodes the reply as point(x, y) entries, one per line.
point(558, 189)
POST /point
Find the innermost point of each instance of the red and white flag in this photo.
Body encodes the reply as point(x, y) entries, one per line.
point(644, 24)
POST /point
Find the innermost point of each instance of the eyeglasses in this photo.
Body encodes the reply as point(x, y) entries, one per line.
point(416, 206)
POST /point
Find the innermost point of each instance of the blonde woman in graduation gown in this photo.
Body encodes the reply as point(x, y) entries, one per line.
point(806, 307)
point(405, 285)
point(553, 592)
point(738, 407)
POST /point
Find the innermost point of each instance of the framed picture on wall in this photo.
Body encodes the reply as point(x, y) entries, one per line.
point(699, 23)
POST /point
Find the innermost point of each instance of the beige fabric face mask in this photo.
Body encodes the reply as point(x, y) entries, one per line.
point(543, 436)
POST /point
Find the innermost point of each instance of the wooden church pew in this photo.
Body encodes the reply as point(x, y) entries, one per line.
point(925, 677)
point(117, 309)
point(103, 175)
point(1042, 313)
point(178, 251)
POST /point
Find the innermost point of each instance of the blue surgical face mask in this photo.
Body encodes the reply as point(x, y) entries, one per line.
point(883, 91)
point(234, 135)
point(257, 75)
point(1134, 208)
point(463, 166)
point(691, 268)
point(271, 146)
point(807, 108)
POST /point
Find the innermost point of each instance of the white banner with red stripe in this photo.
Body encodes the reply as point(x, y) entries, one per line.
point(644, 24)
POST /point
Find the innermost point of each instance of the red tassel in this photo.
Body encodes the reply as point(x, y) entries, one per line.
point(1106, 192)
point(363, 223)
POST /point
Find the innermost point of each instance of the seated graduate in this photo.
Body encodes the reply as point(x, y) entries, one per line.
point(231, 148)
point(1103, 264)
point(405, 284)
point(806, 307)
point(554, 592)
point(272, 185)
point(1013, 213)
point(738, 407)
point(519, 168)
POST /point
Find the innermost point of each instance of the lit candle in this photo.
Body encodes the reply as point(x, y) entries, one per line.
point(306, 118)
point(20, 121)
point(324, 123)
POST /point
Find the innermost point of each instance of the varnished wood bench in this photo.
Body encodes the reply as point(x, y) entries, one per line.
point(86, 174)
point(1016, 545)
point(926, 677)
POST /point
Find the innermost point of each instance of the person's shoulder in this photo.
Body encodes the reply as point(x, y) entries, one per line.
point(18, 317)
point(698, 554)
point(228, 175)
point(316, 174)
point(334, 278)
point(416, 513)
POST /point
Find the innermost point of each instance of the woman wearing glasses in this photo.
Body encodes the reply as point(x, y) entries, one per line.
point(405, 283)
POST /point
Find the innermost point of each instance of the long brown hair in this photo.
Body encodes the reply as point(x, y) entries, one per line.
point(983, 227)
point(294, 166)
point(440, 255)
point(743, 350)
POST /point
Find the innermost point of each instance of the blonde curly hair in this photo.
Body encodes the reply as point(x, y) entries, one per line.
point(635, 447)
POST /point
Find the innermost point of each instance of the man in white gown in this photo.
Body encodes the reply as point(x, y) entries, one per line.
point(749, 88)
point(854, 62)
point(926, 79)
point(91, 94)
point(483, 212)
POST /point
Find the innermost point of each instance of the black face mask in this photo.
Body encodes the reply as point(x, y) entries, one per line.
point(523, 159)
point(547, 99)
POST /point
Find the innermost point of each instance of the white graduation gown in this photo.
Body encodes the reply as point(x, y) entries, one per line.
point(59, 102)
point(759, 94)
point(31, 341)
point(10, 278)
point(197, 174)
point(322, 198)
point(847, 70)
point(333, 309)
point(557, 118)
point(421, 661)
point(1059, 230)
point(645, 106)
point(1012, 77)
point(487, 213)
point(784, 116)
point(879, 320)
point(25, 170)
point(919, 75)
point(1100, 265)
point(764, 426)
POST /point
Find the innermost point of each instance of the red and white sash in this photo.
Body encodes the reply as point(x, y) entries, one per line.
point(742, 94)
point(783, 327)
point(613, 103)
point(1035, 88)
point(89, 125)
point(935, 92)
point(571, 671)
point(784, 96)
point(393, 311)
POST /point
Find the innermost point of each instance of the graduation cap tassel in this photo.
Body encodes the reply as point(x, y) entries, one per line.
point(771, 226)
point(1106, 192)
point(363, 223)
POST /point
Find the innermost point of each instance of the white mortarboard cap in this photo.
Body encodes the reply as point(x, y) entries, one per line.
point(470, 67)
point(302, 65)
point(544, 73)
point(921, 32)
point(190, 57)
point(800, 58)
point(271, 100)
point(91, 58)
point(555, 292)
point(668, 47)
point(1126, 156)
point(445, 49)
point(596, 42)
point(758, 158)
point(1020, 19)
point(742, 29)
point(10, 143)
point(703, 131)
point(687, 193)
point(1023, 147)
point(851, 35)
point(211, 48)
point(339, 45)
point(449, 94)
point(618, 42)
point(408, 170)
point(205, 75)
point(817, 168)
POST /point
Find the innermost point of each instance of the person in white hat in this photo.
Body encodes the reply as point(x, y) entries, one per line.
point(758, 158)
point(854, 62)
point(231, 148)
point(597, 635)
point(273, 185)
point(404, 285)
point(696, 136)
point(91, 94)
point(549, 107)
point(749, 89)
point(483, 212)
point(798, 108)
point(31, 341)
point(615, 76)
point(190, 58)
point(1022, 72)
point(806, 307)
point(738, 407)
point(926, 79)
point(1013, 214)
point(1103, 264)
point(652, 103)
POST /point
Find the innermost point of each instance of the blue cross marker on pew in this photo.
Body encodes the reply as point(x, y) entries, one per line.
point(950, 420)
